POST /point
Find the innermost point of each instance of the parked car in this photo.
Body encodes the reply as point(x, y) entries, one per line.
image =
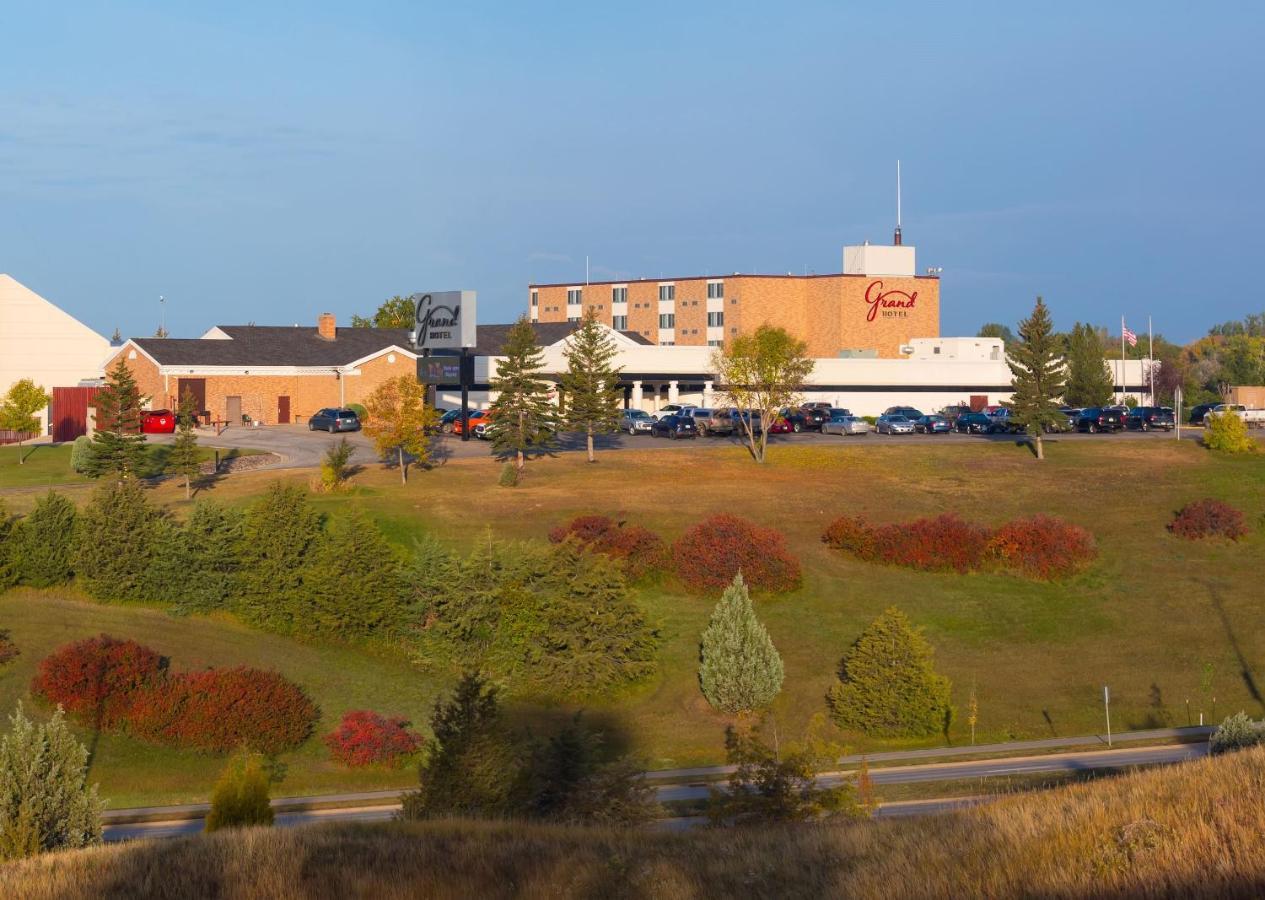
point(482, 429)
point(1197, 413)
point(809, 418)
point(951, 413)
point(635, 421)
point(1253, 418)
point(674, 427)
point(1071, 413)
point(1095, 419)
point(741, 419)
point(932, 425)
point(893, 423)
point(158, 421)
point(711, 421)
point(476, 416)
point(909, 412)
point(782, 425)
point(973, 423)
point(333, 419)
point(845, 425)
point(1146, 418)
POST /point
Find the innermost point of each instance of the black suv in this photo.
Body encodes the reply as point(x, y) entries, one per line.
point(1144, 418)
point(1094, 419)
point(973, 423)
point(1197, 413)
point(333, 419)
point(674, 426)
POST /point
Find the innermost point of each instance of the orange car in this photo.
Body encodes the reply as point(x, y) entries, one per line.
point(476, 416)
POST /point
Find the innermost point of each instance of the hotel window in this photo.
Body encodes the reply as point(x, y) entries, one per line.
point(573, 319)
point(667, 292)
point(619, 323)
point(715, 319)
point(667, 343)
point(535, 298)
point(715, 343)
point(574, 295)
point(667, 320)
point(715, 289)
point(619, 295)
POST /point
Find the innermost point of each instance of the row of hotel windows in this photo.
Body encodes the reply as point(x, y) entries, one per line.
point(715, 291)
point(668, 320)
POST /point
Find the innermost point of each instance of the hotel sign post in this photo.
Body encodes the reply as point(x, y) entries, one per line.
point(446, 321)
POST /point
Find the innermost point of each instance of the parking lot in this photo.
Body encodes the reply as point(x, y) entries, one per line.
point(300, 448)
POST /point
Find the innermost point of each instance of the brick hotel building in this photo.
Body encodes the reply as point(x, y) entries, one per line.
point(872, 309)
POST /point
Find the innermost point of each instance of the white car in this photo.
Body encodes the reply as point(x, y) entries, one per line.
point(840, 424)
point(669, 410)
point(1253, 418)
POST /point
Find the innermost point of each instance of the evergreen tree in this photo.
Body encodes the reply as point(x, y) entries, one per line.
point(210, 544)
point(591, 383)
point(523, 417)
point(278, 535)
point(240, 797)
point(17, 411)
point(997, 330)
point(473, 768)
point(8, 571)
point(353, 552)
point(570, 783)
point(887, 684)
point(46, 802)
point(1088, 379)
point(741, 670)
point(119, 532)
point(118, 444)
point(43, 543)
point(184, 460)
point(1038, 376)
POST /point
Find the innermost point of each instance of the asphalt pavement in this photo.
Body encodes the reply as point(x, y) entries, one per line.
point(298, 447)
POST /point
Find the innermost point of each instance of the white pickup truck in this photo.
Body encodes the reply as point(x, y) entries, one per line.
point(1253, 418)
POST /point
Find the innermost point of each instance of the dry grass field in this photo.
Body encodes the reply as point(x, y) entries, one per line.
point(1187, 831)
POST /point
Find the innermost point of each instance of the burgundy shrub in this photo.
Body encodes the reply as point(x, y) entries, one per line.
point(642, 551)
point(222, 709)
point(584, 528)
point(97, 679)
point(365, 738)
point(943, 543)
point(709, 554)
point(851, 534)
point(1208, 518)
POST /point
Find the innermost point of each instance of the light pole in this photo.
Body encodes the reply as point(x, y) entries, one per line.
point(1106, 705)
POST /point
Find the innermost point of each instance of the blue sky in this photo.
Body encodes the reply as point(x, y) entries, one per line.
point(264, 162)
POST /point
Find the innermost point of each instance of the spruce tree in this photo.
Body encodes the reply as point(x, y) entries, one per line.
point(279, 533)
point(184, 460)
point(591, 382)
point(523, 416)
point(210, 544)
point(1088, 380)
point(43, 543)
point(46, 802)
point(887, 684)
point(118, 533)
point(118, 445)
point(1037, 371)
point(8, 572)
point(352, 552)
point(741, 670)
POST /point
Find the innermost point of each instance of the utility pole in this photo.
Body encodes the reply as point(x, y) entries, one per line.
point(1106, 705)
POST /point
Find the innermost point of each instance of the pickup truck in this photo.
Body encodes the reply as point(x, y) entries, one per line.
point(1253, 418)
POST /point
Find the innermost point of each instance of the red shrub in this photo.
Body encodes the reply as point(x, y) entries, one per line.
point(943, 543)
point(852, 534)
point(223, 709)
point(584, 528)
point(1043, 547)
point(97, 679)
point(641, 550)
point(1208, 518)
point(709, 554)
point(364, 738)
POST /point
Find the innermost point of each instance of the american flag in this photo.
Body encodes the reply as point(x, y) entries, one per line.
point(1129, 335)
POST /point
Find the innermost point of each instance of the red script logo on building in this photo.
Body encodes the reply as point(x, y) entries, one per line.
point(892, 303)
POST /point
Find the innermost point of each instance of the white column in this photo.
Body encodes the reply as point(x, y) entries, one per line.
point(707, 395)
point(673, 394)
point(635, 400)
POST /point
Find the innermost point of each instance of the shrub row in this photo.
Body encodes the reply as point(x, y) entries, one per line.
point(117, 684)
point(1040, 547)
point(1208, 518)
point(365, 738)
point(641, 550)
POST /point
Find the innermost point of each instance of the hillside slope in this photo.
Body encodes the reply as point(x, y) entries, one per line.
point(1193, 830)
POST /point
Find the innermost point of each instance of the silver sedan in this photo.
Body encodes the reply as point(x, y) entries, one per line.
point(845, 425)
point(894, 424)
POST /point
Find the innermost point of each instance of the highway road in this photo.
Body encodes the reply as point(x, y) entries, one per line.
point(1084, 760)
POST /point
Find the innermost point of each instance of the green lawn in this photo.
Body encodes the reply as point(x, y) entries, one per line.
point(1147, 618)
point(48, 465)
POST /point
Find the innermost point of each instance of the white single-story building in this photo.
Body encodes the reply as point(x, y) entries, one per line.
point(46, 344)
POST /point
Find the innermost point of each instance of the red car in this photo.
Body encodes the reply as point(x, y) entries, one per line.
point(158, 421)
point(782, 425)
point(476, 416)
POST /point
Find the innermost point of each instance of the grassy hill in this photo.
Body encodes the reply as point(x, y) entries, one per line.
point(1188, 831)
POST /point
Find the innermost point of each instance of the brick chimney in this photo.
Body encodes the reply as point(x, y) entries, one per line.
point(326, 326)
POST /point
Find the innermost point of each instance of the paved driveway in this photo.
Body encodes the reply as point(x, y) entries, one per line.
point(300, 448)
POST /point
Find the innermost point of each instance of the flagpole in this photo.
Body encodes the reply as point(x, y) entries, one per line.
point(1150, 357)
point(1123, 383)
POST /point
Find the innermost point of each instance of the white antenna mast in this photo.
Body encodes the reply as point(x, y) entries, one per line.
point(896, 240)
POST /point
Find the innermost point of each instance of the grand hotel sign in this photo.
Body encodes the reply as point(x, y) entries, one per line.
point(887, 304)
